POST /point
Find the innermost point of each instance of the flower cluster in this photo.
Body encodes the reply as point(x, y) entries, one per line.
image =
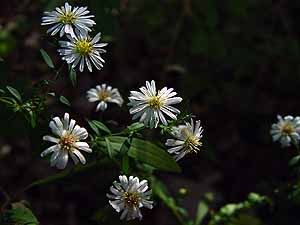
point(286, 130)
point(150, 105)
point(80, 49)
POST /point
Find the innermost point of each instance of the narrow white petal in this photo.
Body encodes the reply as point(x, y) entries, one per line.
point(51, 139)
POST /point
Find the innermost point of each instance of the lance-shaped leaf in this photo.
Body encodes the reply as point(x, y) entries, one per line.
point(15, 93)
point(64, 100)
point(146, 152)
point(47, 58)
point(73, 76)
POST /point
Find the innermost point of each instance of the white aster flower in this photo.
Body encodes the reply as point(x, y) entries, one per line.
point(65, 20)
point(187, 140)
point(67, 141)
point(151, 105)
point(286, 130)
point(104, 94)
point(129, 195)
point(82, 49)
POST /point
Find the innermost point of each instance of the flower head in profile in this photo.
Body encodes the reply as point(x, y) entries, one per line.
point(286, 130)
point(67, 142)
point(187, 139)
point(151, 105)
point(104, 94)
point(129, 195)
point(65, 19)
point(82, 49)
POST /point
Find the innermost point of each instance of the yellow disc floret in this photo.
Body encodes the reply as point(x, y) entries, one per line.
point(287, 128)
point(131, 199)
point(191, 143)
point(103, 95)
point(155, 102)
point(67, 142)
point(67, 18)
point(83, 47)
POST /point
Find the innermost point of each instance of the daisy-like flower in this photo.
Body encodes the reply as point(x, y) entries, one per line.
point(67, 141)
point(82, 49)
point(104, 94)
point(150, 105)
point(129, 195)
point(286, 130)
point(187, 140)
point(65, 20)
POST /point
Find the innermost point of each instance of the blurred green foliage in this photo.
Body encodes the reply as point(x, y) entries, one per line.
point(19, 214)
point(234, 57)
point(234, 214)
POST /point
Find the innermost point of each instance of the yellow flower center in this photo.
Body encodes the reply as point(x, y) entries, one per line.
point(131, 199)
point(192, 143)
point(287, 128)
point(83, 47)
point(155, 103)
point(67, 18)
point(66, 142)
point(103, 95)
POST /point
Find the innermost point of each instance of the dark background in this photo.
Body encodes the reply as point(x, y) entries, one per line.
point(235, 63)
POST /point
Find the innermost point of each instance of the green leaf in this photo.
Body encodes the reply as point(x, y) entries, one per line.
point(136, 126)
point(33, 119)
point(293, 161)
point(109, 147)
point(101, 126)
point(153, 155)
point(94, 127)
point(202, 211)
point(125, 164)
point(8, 100)
point(47, 58)
point(125, 146)
point(18, 215)
point(15, 93)
point(123, 151)
point(146, 152)
point(73, 76)
point(64, 100)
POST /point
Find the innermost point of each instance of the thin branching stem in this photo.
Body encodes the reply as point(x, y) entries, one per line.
point(7, 199)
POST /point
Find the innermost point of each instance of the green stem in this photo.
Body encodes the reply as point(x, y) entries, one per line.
point(7, 199)
point(178, 216)
point(61, 175)
point(176, 32)
point(57, 72)
point(70, 172)
point(161, 192)
point(119, 134)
